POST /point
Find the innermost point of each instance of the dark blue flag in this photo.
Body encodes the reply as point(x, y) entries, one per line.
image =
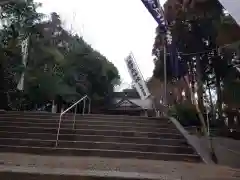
point(155, 9)
point(177, 65)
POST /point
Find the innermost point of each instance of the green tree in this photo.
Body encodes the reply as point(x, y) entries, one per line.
point(201, 27)
point(16, 20)
point(59, 64)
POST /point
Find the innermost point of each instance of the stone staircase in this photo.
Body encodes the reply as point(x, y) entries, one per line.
point(94, 135)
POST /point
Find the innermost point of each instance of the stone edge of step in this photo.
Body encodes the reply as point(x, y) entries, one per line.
point(95, 130)
point(98, 150)
point(65, 134)
point(71, 114)
point(95, 142)
point(40, 124)
point(86, 173)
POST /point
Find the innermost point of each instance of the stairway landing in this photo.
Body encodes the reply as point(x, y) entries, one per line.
point(72, 167)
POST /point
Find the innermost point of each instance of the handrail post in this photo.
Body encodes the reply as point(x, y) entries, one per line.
point(59, 125)
point(84, 104)
point(89, 105)
point(68, 109)
point(74, 119)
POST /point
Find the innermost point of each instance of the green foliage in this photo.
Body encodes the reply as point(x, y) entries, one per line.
point(203, 28)
point(186, 114)
point(59, 63)
point(231, 93)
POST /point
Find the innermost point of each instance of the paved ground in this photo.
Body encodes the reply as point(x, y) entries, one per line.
point(94, 166)
point(227, 150)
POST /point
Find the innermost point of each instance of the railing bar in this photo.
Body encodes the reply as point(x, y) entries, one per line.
point(74, 119)
point(84, 104)
point(73, 105)
point(59, 125)
point(64, 112)
point(89, 106)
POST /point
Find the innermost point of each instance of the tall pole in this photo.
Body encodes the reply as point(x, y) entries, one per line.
point(165, 74)
point(164, 63)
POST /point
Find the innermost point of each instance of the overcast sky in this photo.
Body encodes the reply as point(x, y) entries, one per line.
point(114, 27)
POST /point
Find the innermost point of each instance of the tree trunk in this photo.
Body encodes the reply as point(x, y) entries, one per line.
point(219, 97)
point(211, 102)
point(199, 84)
point(188, 96)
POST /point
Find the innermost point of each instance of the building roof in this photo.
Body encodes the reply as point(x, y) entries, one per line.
point(125, 103)
point(128, 94)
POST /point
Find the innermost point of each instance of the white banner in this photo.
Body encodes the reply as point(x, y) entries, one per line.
point(233, 7)
point(137, 78)
point(24, 46)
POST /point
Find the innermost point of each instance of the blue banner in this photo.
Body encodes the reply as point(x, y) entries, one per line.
point(178, 66)
point(156, 11)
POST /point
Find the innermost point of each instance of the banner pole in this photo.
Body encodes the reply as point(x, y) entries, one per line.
point(165, 74)
point(165, 61)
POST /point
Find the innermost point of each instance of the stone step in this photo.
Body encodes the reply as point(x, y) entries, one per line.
point(100, 117)
point(87, 121)
point(89, 126)
point(37, 176)
point(99, 145)
point(36, 113)
point(38, 173)
point(94, 135)
point(61, 166)
point(101, 176)
point(100, 153)
point(56, 119)
point(107, 132)
point(75, 137)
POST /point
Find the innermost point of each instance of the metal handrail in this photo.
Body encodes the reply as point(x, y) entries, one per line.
point(154, 106)
point(68, 109)
point(84, 106)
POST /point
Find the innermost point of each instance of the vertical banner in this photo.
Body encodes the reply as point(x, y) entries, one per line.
point(156, 11)
point(233, 7)
point(137, 78)
point(24, 47)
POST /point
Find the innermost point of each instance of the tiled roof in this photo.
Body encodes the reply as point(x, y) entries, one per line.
point(132, 94)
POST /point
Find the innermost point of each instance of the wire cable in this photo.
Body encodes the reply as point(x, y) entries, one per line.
point(204, 52)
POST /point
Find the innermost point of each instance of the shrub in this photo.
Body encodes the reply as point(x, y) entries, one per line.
point(186, 114)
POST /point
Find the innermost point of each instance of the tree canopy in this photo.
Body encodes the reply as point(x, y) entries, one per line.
point(208, 41)
point(59, 63)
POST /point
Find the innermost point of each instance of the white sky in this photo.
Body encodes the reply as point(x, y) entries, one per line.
point(113, 27)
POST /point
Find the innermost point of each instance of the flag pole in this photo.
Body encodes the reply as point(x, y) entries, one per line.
point(164, 62)
point(165, 73)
